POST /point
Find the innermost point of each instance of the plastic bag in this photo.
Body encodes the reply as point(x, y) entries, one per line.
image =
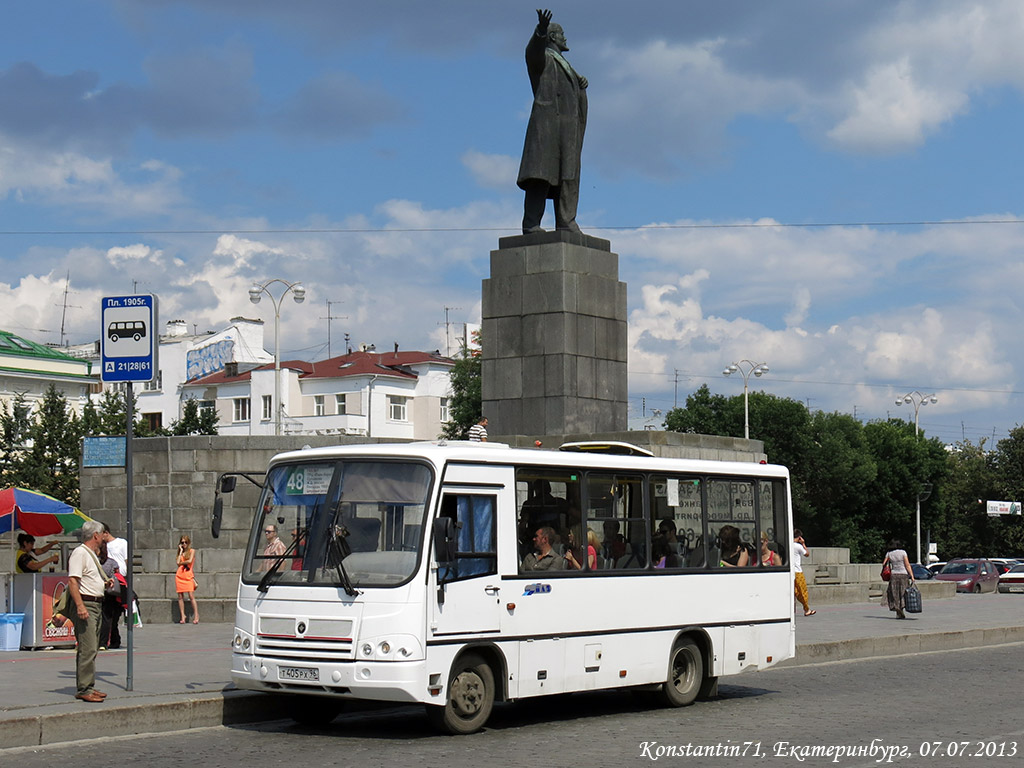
point(136, 616)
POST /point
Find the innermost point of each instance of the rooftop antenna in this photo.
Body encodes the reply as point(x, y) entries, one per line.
point(328, 319)
point(64, 311)
point(447, 334)
point(348, 345)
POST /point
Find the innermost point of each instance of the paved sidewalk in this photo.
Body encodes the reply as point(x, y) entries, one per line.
point(181, 673)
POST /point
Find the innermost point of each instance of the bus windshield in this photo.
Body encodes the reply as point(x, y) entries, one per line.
point(326, 523)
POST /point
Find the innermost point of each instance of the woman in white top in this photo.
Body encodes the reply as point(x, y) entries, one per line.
point(901, 576)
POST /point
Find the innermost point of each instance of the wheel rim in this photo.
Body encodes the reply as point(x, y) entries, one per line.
point(467, 694)
point(684, 671)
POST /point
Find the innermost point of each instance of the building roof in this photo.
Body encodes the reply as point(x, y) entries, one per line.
point(12, 344)
point(358, 363)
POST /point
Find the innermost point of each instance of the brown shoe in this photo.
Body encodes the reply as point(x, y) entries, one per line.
point(101, 694)
point(91, 696)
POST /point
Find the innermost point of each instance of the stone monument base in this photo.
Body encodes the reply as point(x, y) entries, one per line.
point(554, 336)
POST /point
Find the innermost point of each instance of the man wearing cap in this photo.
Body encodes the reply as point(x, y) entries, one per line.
point(86, 583)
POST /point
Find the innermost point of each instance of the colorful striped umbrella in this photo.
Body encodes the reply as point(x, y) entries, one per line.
point(37, 514)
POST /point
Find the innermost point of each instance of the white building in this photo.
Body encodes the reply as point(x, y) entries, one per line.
point(394, 394)
point(28, 369)
point(182, 356)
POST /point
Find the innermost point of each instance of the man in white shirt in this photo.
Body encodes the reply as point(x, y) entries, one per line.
point(117, 550)
point(800, 582)
point(86, 583)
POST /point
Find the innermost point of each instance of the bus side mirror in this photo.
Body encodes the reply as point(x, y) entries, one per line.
point(226, 484)
point(444, 541)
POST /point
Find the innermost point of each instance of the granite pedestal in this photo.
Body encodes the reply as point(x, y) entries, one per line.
point(554, 336)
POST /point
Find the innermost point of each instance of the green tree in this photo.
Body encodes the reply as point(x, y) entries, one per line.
point(51, 462)
point(703, 414)
point(962, 528)
point(834, 479)
point(195, 422)
point(907, 464)
point(15, 429)
point(465, 406)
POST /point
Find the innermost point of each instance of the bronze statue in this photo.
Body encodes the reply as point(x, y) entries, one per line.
point(554, 137)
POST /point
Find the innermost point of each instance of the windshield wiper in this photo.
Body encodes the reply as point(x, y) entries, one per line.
point(264, 584)
point(341, 551)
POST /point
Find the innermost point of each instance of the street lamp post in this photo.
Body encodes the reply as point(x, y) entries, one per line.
point(918, 400)
point(746, 367)
point(299, 295)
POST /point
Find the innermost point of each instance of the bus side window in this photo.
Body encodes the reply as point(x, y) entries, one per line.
point(476, 543)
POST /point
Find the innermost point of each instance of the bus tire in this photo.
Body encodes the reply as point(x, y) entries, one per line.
point(685, 674)
point(470, 697)
point(314, 711)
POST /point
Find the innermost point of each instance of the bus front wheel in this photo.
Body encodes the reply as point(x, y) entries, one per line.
point(470, 697)
point(685, 674)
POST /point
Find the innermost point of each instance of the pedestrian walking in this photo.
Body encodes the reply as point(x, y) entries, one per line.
point(86, 584)
point(799, 582)
point(901, 576)
point(478, 432)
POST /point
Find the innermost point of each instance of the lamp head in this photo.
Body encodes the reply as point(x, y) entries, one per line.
point(299, 293)
point(255, 294)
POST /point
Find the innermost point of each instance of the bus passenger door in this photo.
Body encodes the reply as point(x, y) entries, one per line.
point(466, 595)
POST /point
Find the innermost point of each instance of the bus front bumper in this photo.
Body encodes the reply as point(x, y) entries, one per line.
point(400, 681)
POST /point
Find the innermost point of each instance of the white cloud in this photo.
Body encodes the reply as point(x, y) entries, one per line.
point(491, 171)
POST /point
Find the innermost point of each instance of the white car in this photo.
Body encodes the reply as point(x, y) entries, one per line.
point(1012, 580)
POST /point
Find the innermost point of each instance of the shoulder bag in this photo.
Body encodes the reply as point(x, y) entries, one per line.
point(886, 570)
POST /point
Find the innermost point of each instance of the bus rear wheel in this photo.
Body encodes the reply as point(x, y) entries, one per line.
point(470, 697)
point(685, 674)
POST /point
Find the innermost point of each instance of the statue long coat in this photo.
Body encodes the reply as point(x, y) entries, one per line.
point(554, 136)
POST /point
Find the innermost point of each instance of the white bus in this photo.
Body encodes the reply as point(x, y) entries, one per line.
point(402, 577)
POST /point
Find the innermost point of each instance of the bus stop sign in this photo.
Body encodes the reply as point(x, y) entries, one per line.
point(128, 338)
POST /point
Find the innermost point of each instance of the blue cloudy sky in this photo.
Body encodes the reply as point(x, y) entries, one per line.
point(833, 188)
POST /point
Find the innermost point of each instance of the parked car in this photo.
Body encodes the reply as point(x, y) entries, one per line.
point(1002, 564)
point(936, 567)
point(921, 573)
point(1012, 580)
point(970, 575)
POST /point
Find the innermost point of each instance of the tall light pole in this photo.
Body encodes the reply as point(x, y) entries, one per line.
point(255, 294)
point(746, 367)
point(918, 400)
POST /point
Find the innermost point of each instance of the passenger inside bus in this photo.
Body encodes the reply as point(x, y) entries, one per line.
point(676, 549)
point(614, 545)
point(544, 557)
point(574, 553)
point(543, 508)
point(732, 552)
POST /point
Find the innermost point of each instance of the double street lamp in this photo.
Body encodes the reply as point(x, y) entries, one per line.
point(746, 367)
point(299, 295)
point(918, 400)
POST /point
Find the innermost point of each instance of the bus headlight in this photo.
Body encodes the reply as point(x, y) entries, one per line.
point(391, 648)
point(367, 650)
point(241, 642)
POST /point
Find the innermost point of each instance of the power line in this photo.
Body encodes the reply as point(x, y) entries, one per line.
point(510, 228)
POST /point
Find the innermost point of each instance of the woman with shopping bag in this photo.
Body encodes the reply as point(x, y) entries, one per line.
point(901, 576)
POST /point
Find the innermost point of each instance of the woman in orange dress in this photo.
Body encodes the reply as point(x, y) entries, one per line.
point(184, 578)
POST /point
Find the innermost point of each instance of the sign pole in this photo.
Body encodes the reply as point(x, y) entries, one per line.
point(129, 346)
point(130, 576)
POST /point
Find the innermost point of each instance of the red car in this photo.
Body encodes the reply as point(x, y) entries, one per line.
point(970, 575)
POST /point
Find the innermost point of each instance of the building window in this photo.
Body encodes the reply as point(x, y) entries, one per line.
point(398, 408)
point(268, 407)
point(207, 405)
point(318, 405)
point(154, 385)
point(445, 410)
point(339, 402)
point(241, 409)
point(154, 420)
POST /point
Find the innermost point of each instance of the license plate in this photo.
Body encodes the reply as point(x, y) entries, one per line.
point(298, 673)
point(1017, 589)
